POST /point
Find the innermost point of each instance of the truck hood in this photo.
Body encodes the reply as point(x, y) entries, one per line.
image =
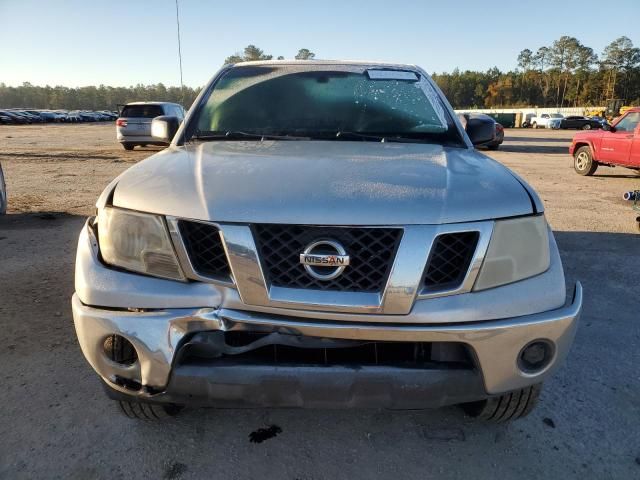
point(322, 183)
point(589, 134)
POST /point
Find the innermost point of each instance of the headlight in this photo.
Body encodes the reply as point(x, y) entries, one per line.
point(138, 242)
point(518, 249)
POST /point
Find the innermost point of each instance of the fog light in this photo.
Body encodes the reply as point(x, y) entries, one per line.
point(120, 350)
point(535, 356)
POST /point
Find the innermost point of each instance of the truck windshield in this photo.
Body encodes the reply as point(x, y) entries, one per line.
point(324, 102)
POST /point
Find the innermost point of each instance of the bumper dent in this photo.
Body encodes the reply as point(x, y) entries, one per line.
point(157, 335)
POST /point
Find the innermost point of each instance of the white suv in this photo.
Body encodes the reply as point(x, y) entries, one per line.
point(133, 126)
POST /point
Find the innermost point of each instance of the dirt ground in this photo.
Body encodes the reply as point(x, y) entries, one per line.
point(55, 422)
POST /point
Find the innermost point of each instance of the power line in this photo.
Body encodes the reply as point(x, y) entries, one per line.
point(179, 52)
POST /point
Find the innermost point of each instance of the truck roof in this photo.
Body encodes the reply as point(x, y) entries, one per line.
point(328, 62)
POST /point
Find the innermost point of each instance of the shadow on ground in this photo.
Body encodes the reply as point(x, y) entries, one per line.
point(512, 146)
point(536, 139)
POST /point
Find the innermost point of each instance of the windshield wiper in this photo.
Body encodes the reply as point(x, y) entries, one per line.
point(346, 135)
point(238, 135)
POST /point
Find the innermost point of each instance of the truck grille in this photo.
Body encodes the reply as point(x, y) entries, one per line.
point(205, 250)
point(449, 260)
point(371, 252)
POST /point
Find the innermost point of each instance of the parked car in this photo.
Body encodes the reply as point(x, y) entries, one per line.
point(5, 120)
point(33, 118)
point(35, 114)
point(546, 120)
point(3, 193)
point(133, 126)
point(74, 116)
point(15, 118)
point(24, 115)
point(601, 120)
point(580, 123)
point(322, 234)
point(49, 116)
point(615, 145)
point(499, 131)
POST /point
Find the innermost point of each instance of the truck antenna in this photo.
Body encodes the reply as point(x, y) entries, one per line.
point(179, 53)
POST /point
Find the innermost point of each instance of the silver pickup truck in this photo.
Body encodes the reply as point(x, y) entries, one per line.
point(322, 234)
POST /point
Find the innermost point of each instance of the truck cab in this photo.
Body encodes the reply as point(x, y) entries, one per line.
point(618, 145)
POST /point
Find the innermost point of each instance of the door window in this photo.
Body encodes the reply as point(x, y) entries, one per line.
point(628, 123)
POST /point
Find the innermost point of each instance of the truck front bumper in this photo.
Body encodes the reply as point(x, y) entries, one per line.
point(163, 318)
point(159, 335)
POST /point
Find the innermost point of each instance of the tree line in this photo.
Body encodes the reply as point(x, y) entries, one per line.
point(563, 74)
point(90, 98)
point(105, 97)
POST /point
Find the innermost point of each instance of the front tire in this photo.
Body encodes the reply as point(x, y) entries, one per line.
point(128, 146)
point(148, 411)
point(506, 407)
point(583, 162)
point(586, 126)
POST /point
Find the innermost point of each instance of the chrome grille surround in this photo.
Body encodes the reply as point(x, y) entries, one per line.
point(404, 283)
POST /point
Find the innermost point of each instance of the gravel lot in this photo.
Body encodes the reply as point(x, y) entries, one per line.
point(56, 422)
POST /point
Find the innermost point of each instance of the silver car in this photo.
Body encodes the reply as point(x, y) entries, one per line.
point(322, 234)
point(133, 126)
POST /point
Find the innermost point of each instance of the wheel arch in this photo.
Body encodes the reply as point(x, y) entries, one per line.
point(585, 143)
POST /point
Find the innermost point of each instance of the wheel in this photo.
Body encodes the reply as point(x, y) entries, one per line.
point(586, 126)
point(534, 125)
point(506, 407)
point(583, 162)
point(128, 146)
point(148, 411)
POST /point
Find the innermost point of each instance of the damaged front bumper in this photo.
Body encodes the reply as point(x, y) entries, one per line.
point(159, 335)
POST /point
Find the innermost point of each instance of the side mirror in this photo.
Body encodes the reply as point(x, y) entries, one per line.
point(164, 127)
point(479, 130)
point(608, 127)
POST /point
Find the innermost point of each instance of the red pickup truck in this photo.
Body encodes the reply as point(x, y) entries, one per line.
point(615, 145)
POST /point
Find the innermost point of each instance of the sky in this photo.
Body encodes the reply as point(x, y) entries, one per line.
point(125, 42)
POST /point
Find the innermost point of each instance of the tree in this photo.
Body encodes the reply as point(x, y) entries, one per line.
point(585, 59)
point(562, 61)
point(235, 58)
point(525, 59)
point(305, 54)
point(620, 56)
point(251, 53)
point(541, 62)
